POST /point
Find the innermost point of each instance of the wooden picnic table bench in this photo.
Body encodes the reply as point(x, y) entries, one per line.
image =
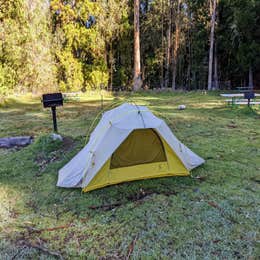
point(236, 95)
point(246, 103)
point(242, 98)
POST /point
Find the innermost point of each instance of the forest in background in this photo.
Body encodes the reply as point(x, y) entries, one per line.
point(77, 45)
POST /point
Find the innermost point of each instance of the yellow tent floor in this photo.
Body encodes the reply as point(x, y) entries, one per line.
point(107, 176)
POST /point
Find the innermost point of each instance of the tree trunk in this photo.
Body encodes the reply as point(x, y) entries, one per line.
point(107, 60)
point(176, 45)
point(211, 40)
point(250, 78)
point(111, 62)
point(137, 82)
point(215, 77)
point(162, 42)
point(188, 80)
point(169, 45)
point(191, 81)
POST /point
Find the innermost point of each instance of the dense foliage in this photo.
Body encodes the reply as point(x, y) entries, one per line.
point(26, 57)
point(77, 45)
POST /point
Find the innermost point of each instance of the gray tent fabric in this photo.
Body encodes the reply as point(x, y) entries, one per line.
point(114, 127)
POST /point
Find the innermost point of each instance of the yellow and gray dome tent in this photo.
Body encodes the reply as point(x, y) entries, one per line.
point(129, 143)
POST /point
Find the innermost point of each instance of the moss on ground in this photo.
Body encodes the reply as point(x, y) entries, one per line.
point(212, 215)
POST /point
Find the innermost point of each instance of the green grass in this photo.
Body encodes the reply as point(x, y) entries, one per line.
point(215, 216)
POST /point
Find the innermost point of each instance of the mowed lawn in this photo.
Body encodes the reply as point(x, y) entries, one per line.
point(214, 214)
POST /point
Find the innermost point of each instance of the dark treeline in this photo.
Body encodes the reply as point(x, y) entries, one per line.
point(77, 45)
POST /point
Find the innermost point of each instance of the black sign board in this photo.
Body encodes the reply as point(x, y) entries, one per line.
point(249, 95)
point(53, 100)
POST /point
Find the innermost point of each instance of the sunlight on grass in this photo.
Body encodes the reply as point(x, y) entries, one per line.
point(8, 198)
point(211, 215)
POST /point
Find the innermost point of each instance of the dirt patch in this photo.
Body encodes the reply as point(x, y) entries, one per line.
point(43, 160)
point(68, 144)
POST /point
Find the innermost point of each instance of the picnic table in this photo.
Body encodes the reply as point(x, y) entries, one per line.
point(71, 96)
point(244, 89)
point(237, 99)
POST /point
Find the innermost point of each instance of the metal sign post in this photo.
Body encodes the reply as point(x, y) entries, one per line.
point(54, 119)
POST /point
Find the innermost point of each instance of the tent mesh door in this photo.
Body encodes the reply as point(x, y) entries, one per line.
point(141, 146)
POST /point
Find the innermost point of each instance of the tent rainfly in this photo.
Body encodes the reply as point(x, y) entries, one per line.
point(129, 143)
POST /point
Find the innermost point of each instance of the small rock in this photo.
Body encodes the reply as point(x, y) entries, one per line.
point(56, 137)
point(181, 107)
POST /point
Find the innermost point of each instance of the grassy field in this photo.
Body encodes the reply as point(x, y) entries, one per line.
point(214, 214)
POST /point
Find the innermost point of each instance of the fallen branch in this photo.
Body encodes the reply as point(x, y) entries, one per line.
point(44, 250)
point(222, 212)
point(35, 230)
point(255, 179)
point(134, 198)
point(131, 248)
point(106, 206)
point(200, 178)
point(214, 205)
point(10, 142)
point(232, 126)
